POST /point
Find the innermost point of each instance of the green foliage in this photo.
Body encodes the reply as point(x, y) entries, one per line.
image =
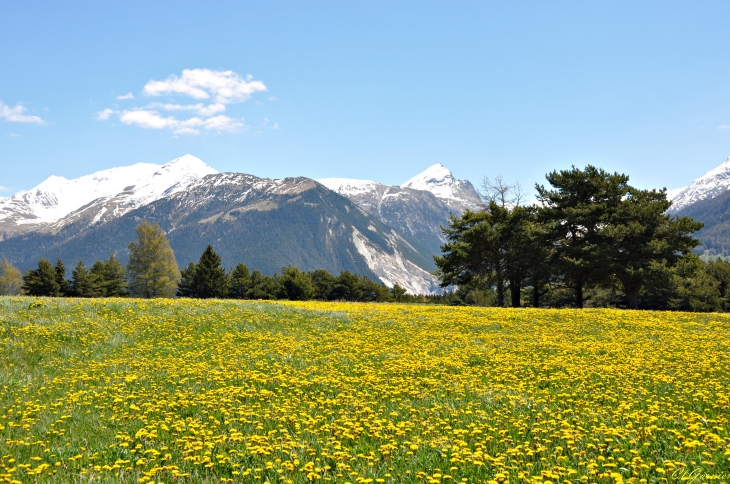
point(113, 278)
point(240, 282)
point(206, 279)
point(63, 284)
point(592, 233)
point(499, 246)
point(82, 284)
point(638, 233)
point(186, 286)
point(576, 208)
point(11, 281)
point(398, 293)
point(719, 270)
point(262, 286)
point(152, 270)
point(41, 281)
point(324, 284)
point(347, 287)
point(295, 285)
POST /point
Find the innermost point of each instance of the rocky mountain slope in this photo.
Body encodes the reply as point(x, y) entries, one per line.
point(418, 208)
point(458, 195)
point(96, 198)
point(263, 223)
point(710, 185)
point(715, 214)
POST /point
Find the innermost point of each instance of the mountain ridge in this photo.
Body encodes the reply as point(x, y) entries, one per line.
point(712, 184)
point(264, 223)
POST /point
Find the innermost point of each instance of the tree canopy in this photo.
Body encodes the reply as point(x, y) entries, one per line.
point(152, 269)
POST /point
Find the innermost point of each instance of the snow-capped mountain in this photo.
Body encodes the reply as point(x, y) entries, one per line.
point(437, 179)
point(713, 183)
point(98, 197)
point(264, 223)
point(418, 208)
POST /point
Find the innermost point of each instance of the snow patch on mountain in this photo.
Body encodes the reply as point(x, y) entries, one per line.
point(439, 180)
point(348, 187)
point(713, 183)
point(436, 179)
point(393, 268)
point(132, 186)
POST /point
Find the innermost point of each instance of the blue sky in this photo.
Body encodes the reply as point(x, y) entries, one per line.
point(376, 90)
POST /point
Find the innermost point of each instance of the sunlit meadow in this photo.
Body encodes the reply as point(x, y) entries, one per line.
point(221, 391)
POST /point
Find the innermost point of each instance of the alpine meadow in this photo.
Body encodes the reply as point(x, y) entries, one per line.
point(320, 242)
point(124, 390)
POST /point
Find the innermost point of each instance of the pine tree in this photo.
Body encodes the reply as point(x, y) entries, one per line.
point(324, 284)
point(262, 286)
point(209, 278)
point(81, 281)
point(97, 280)
point(398, 292)
point(295, 285)
point(577, 207)
point(240, 282)
point(10, 279)
point(115, 281)
point(63, 284)
point(41, 281)
point(152, 269)
point(347, 287)
point(186, 287)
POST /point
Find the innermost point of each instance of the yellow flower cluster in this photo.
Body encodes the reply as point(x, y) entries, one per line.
point(224, 391)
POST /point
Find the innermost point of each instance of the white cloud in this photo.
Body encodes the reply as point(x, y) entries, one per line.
point(224, 87)
point(14, 135)
point(105, 114)
point(153, 120)
point(200, 108)
point(220, 87)
point(724, 127)
point(17, 115)
point(129, 95)
point(3, 189)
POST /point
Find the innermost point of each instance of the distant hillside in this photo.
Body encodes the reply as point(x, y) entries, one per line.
point(418, 208)
point(715, 214)
point(263, 223)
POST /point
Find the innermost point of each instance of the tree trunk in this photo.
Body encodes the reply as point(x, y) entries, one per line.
point(535, 292)
point(632, 299)
point(632, 286)
point(514, 289)
point(579, 294)
point(500, 290)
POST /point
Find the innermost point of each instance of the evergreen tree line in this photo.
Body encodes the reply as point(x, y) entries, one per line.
point(152, 272)
point(104, 279)
point(208, 279)
point(591, 240)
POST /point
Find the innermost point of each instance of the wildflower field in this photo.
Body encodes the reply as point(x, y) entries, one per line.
point(120, 390)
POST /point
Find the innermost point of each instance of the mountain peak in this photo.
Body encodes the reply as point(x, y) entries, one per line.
point(432, 176)
point(131, 186)
point(189, 162)
point(437, 179)
point(709, 185)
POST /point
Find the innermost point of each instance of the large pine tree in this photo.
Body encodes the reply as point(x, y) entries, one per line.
point(115, 280)
point(81, 282)
point(41, 281)
point(152, 269)
point(63, 284)
point(240, 282)
point(186, 287)
point(209, 278)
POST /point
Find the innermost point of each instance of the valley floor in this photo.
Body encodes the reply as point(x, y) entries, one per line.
point(121, 390)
